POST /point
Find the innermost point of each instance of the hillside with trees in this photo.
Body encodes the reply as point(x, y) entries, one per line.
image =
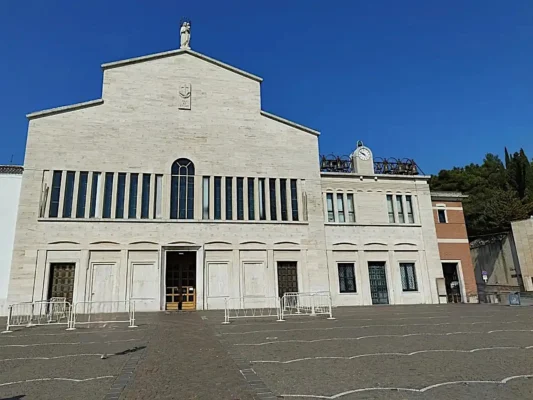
point(498, 193)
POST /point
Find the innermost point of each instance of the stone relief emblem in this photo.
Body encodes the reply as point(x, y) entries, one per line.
point(185, 96)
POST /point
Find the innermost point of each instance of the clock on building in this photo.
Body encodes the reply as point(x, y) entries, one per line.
point(364, 153)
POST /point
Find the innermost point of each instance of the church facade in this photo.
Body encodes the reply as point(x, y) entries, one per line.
point(176, 190)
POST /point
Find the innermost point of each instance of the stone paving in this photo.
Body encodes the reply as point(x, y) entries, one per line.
point(386, 352)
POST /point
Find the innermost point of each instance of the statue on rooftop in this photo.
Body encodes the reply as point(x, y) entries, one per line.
point(185, 35)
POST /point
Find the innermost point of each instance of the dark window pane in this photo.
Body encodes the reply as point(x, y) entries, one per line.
point(251, 199)
point(95, 194)
point(346, 278)
point(121, 191)
point(82, 195)
point(132, 206)
point(190, 196)
point(55, 194)
point(69, 194)
point(283, 196)
point(272, 186)
point(145, 200)
point(240, 198)
point(218, 197)
point(108, 195)
point(182, 189)
point(408, 276)
point(174, 197)
point(182, 206)
point(329, 201)
point(262, 201)
point(442, 216)
point(229, 198)
point(294, 199)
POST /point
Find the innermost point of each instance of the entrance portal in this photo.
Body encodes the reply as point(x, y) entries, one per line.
point(378, 283)
point(451, 280)
point(180, 280)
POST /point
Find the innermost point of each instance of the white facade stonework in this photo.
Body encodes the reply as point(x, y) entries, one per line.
point(138, 128)
point(10, 180)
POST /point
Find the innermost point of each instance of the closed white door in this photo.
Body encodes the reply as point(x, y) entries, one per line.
point(103, 282)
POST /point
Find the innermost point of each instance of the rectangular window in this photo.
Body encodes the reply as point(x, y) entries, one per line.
point(294, 199)
point(121, 193)
point(132, 206)
point(442, 216)
point(229, 198)
point(390, 209)
point(218, 197)
point(82, 194)
point(69, 194)
point(340, 207)
point(283, 197)
point(95, 195)
point(205, 197)
point(251, 199)
point(240, 198)
point(158, 196)
point(108, 195)
point(346, 278)
point(273, 195)
point(262, 204)
point(56, 193)
point(410, 213)
point(407, 272)
point(351, 207)
point(329, 201)
point(145, 199)
point(399, 206)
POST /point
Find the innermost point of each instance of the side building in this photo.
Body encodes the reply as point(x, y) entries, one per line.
point(10, 181)
point(176, 190)
point(454, 248)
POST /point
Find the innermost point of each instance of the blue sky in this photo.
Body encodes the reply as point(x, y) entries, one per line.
point(443, 82)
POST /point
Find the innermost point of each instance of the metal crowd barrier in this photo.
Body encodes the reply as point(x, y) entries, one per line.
point(312, 304)
point(251, 307)
point(103, 312)
point(55, 311)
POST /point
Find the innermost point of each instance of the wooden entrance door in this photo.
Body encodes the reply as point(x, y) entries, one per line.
point(181, 281)
point(378, 283)
point(62, 280)
point(287, 277)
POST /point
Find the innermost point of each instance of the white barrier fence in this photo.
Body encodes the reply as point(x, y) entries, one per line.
point(251, 307)
point(46, 312)
point(103, 313)
point(291, 304)
point(312, 304)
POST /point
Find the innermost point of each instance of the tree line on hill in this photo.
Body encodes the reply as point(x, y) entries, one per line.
point(498, 192)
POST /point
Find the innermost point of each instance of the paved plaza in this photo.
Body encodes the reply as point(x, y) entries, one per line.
point(389, 352)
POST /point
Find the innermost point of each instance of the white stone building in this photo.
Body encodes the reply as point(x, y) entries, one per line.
point(10, 180)
point(176, 181)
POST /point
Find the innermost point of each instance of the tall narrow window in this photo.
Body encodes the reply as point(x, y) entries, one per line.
point(145, 199)
point(229, 198)
point(390, 208)
point(273, 210)
point(340, 207)
point(262, 204)
point(69, 194)
point(351, 207)
point(329, 204)
point(218, 197)
point(55, 194)
point(240, 198)
point(158, 196)
point(346, 278)
point(442, 216)
point(283, 198)
point(95, 195)
point(205, 197)
point(294, 199)
point(134, 188)
point(108, 195)
point(121, 193)
point(82, 194)
point(408, 275)
point(251, 199)
point(399, 205)
point(410, 213)
point(182, 189)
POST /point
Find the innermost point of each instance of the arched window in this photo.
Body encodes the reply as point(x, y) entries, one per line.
point(182, 189)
